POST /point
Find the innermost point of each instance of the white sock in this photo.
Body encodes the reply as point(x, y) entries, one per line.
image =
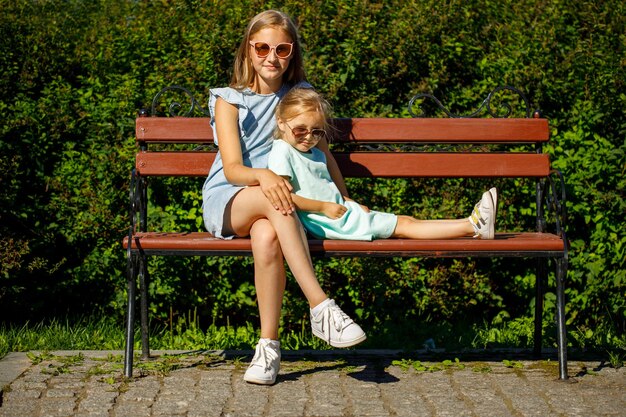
point(318, 308)
point(273, 343)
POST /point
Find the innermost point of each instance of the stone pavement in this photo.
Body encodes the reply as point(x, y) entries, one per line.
point(328, 383)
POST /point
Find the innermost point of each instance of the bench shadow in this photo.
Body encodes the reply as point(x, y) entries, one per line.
point(372, 367)
point(361, 369)
point(295, 365)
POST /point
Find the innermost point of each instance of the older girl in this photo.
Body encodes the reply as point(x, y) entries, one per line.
point(241, 197)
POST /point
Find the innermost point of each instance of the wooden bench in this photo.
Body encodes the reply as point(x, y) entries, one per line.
point(393, 162)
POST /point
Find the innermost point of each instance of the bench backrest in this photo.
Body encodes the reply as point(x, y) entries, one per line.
point(482, 160)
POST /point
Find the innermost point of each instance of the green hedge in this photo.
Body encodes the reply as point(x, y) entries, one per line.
point(74, 74)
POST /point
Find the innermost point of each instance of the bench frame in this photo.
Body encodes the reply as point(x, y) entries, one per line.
point(382, 139)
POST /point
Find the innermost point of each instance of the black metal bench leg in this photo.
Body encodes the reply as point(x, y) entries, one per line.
point(561, 272)
point(143, 289)
point(539, 285)
point(130, 317)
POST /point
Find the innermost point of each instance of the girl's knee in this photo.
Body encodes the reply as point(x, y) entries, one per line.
point(264, 239)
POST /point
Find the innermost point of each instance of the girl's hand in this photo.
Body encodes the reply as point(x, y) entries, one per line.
point(365, 208)
point(333, 210)
point(277, 190)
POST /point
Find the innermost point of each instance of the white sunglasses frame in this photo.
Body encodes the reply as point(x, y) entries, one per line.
point(272, 48)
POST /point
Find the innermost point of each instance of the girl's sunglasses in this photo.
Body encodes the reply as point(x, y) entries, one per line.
point(301, 132)
point(263, 49)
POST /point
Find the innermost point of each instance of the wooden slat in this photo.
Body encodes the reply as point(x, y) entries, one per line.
point(503, 242)
point(174, 129)
point(368, 130)
point(178, 164)
point(444, 165)
point(376, 164)
point(444, 130)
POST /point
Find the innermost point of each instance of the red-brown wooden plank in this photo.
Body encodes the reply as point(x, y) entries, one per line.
point(174, 129)
point(444, 165)
point(444, 130)
point(178, 164)
point(380, 130)
point(377, 164)
point(503, 242)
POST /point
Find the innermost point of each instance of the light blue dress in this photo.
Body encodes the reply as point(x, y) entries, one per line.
point(310, 178)
point(256, 125)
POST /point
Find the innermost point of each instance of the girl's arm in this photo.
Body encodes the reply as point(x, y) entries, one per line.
point(328, 209)
point(335, 173)
point(275, 188)
point(333, 169)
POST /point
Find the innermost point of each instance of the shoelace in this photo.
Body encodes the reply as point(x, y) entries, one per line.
point(337, 318)
point(263, 357)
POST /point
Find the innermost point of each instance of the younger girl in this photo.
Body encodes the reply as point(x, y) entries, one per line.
point(301, 124)
point(241, 197)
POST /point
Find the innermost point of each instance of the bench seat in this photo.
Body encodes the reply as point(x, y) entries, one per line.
point(505, 244)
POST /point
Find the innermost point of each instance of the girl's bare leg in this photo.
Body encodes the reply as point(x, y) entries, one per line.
point(269, 276)
point(250, 205)
point(411, 228)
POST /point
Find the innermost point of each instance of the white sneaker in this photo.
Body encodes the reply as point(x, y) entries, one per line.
point(265, 364)
point(334, 327)
point(483, 217)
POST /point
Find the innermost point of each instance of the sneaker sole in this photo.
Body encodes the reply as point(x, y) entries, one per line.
point(346, 344)
point(253, 380)
point(491, 229)
point(494, 198)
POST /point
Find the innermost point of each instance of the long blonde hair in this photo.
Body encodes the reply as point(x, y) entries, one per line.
point(244, 73)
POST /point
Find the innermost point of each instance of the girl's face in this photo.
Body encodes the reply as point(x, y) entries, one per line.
point(303, 131)
point(269, 69)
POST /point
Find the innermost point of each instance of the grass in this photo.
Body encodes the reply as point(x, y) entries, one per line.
point(85, 334)
point(97, 333)
point(107, 334)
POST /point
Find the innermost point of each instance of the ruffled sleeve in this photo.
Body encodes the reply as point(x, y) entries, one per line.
point(228, 94)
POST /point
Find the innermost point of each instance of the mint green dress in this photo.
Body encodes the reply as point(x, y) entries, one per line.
point(310, 178)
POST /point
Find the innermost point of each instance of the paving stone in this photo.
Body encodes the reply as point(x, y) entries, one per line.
point(22, 384)
point(17, 395)
point(69, 385)
point(287, 399)
point(14, 409)
point(35, 375)
point(477, 390)
point(97, 413)
point(61, 407)
point(60, 392)
point(403, 399)
point(131, 409)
